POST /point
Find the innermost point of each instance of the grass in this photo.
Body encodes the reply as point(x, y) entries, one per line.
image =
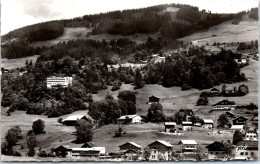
point(17, 63)
point(245, 31)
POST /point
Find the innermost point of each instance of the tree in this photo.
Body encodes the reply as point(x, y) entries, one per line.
point(11, 138)
point(203, 100)
point(127, 95)
point(138, 79)
point(223, 120)
point(146, 153)
point(38, 127)
point(84, 131)
point(31, 143)
point(243, 90)
point(199, 153)
point(237, 136)
point(155, 113)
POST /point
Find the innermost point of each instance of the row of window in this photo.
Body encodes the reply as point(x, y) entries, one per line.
point(246, 153)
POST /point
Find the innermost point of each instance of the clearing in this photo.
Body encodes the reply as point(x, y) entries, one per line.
point(245, 31)
point(17, 63)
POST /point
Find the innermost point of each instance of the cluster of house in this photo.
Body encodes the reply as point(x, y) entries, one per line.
point(59, 80)
point(247, 149)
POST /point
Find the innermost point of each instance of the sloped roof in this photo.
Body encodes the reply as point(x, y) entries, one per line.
point(225, 102)
point(88, 145)
point(127, 117)
point(186, 123)
point(170, 123)
point(240, 117)
point(167, 144)
point(214, 89)
point(88, 149)
point(208, 121)
point(74, 118)
point(188, 142)
point(132, 143)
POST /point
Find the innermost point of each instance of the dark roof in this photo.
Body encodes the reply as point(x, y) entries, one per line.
point(216, 146)
point(225, 102)
point(62, 148)
point(88, 145)
point(131, 151)
point(214, 89)
point(240, 117)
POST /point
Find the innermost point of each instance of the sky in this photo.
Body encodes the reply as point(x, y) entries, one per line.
point(19, 13)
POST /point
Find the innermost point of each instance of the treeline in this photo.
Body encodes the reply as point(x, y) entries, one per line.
point(202, 71)
point(254, 13)
point(17, 49)
point(37, 32)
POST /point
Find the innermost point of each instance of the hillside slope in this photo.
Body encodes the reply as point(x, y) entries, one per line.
point(245, 31)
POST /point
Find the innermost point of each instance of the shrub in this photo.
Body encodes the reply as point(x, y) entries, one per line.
point(38, 127)
point(16, 153)
point(60, 120)
point(43, 154)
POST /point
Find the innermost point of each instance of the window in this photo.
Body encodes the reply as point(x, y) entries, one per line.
point(252, 153)
point(242, 153)
point(216, 152)
point(246, 153)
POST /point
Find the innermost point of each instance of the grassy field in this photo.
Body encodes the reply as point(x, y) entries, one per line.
point(17, 63)
point(82, 33)
point(245, 31)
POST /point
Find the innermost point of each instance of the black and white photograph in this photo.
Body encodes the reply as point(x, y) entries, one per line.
point(121, 80)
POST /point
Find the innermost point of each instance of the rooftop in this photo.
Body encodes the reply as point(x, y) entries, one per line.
point(237, 127)
point(127, 117)
point(193, 142)
point(208, 121)
point(170, 123)
point(73, 118)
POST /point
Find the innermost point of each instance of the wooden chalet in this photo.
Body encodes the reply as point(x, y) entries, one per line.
point(224, 105)
point(62, 151)
point(130, 146)
point(216, 151)
point(72, 120)
point(241, 120)
point(159, 147)
point(153, 99)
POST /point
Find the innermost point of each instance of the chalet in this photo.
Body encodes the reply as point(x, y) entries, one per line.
point(132, 119)
point(224, 105)
point(246, 150)
point(88, 145)
point(169, 126)
point(59, 81)
point(186, 125)
point(241, 120)
point(230, 114)
point(216, 151)
point(72, 120)
point(133, 154)
point(130, 146)
point(62, 151)
point(214, 91)
point(250, 135)
point(237, 127)
point(93, 152)
point(208, 123)
point(188, 146)
point(240, 60)
point(153, 99)
point(158, 148)
point(229, 91)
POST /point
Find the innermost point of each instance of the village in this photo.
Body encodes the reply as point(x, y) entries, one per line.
point(170, 82)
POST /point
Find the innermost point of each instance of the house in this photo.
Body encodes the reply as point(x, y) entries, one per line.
point(93, 152)
point(208, 123)
point(214, 91)
point(62, 151)
point(88, 145)
point(169, 126)
point(133, 154)
point(160, 149)
point(237, 127)
point(224, 105)
point(188, 146)
point(130, 146)
point(246, 150)
point(72, 120)
point(186, 125)
point(240, 60)
point(241, 120)
point(250, 135)
point(59, 81)
point(216, 151)
point(133, 119)
point(153, 99)
point(229, 92)
point(230, 114)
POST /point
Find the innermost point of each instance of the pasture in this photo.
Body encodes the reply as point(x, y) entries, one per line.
point(17, 63)
point(245, 31)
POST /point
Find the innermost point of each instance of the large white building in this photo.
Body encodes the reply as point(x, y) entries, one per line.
point(56, 81)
